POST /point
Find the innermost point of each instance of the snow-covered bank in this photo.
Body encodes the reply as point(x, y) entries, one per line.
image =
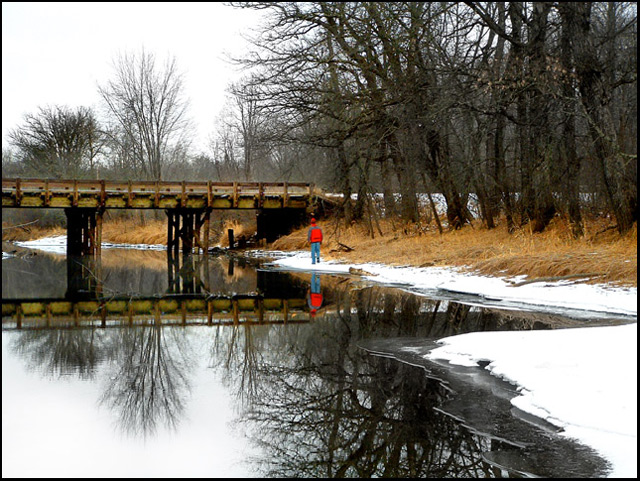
point(58, 245)
point(583, 380)
point(562, 296)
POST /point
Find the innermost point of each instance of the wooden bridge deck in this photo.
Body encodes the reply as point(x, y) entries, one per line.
point(43, 193)
point(167, 310)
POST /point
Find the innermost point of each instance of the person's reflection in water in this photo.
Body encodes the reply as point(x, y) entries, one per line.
point(314, 297)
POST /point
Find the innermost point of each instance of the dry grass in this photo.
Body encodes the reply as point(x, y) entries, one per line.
point(131, 231)
point(127, 231)
point(29, 232)
point(552, 253)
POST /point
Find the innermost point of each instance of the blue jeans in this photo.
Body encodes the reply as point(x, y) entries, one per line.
point(315, 252)
point(315, 284)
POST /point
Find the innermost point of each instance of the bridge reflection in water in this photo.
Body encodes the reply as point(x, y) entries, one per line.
point(188, 300)
point(166, 310)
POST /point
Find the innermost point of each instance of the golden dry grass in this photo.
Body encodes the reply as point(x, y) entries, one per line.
point(129, 231)
point(29, 232)
point(132, 231)
point(552, 253)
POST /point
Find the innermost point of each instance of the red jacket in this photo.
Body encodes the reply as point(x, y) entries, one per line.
point(315, 301)
point(315, 234)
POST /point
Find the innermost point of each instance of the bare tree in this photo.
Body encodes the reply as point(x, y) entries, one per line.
point(57, 142)
point(148, 107)
point(248, 119)
point(618, 169)
point(525, 104)
point(11, 167)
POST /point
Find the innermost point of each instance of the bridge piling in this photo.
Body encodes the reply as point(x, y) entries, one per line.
point(272, 224)
point(84, 231)
point(184, 229)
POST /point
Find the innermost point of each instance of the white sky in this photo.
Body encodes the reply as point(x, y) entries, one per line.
point(58, 53)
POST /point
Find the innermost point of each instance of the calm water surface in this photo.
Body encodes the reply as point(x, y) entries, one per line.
point(218, 367)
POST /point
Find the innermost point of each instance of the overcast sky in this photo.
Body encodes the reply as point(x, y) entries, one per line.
point(58, 53)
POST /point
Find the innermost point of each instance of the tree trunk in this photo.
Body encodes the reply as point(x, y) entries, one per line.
point(617, 173)
point(568, 148)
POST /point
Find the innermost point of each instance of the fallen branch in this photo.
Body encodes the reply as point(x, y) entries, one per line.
point(20, 225)
point(556, 278)
point(611, 227)
point(344, 247)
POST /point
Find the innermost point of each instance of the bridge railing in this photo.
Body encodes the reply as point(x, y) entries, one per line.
point(40, 192)
point(189, 309)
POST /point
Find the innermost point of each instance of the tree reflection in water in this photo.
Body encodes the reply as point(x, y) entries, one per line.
point(151, 366)
point(150, 381)
point(374, 418)
point(320, 407)
point(59, 353)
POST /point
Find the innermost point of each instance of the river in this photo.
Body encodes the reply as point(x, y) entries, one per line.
point(222, 367)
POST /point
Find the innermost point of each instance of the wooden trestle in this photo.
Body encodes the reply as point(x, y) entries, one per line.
point(188, 206)
point(186, 225)
point(84, 231)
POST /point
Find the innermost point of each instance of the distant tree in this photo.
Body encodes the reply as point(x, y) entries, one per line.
point(57, 142)
point(148, 109)
point(11, 167)
point(223, 146)
point(247, 120)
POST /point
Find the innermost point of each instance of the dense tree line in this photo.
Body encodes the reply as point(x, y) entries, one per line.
point(527, 106)
point(56, 141)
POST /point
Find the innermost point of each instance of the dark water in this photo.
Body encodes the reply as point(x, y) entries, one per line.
point(219, 367)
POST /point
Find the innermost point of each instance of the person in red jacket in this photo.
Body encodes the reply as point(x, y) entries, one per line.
point(315, 239)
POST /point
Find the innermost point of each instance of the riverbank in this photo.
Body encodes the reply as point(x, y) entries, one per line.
point(583, 380)
point(602, 256)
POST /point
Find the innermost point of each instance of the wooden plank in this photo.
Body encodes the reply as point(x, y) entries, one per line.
point(18, 193)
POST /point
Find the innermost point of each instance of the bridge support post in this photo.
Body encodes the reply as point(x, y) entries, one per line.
point(184, 233)
point(84, 277)
point(84, 247)
point(184, 229)
point(84, 231)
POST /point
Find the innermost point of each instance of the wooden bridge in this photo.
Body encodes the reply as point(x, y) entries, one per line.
point(188, 206)
point(103, 194)
point(163, 310)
